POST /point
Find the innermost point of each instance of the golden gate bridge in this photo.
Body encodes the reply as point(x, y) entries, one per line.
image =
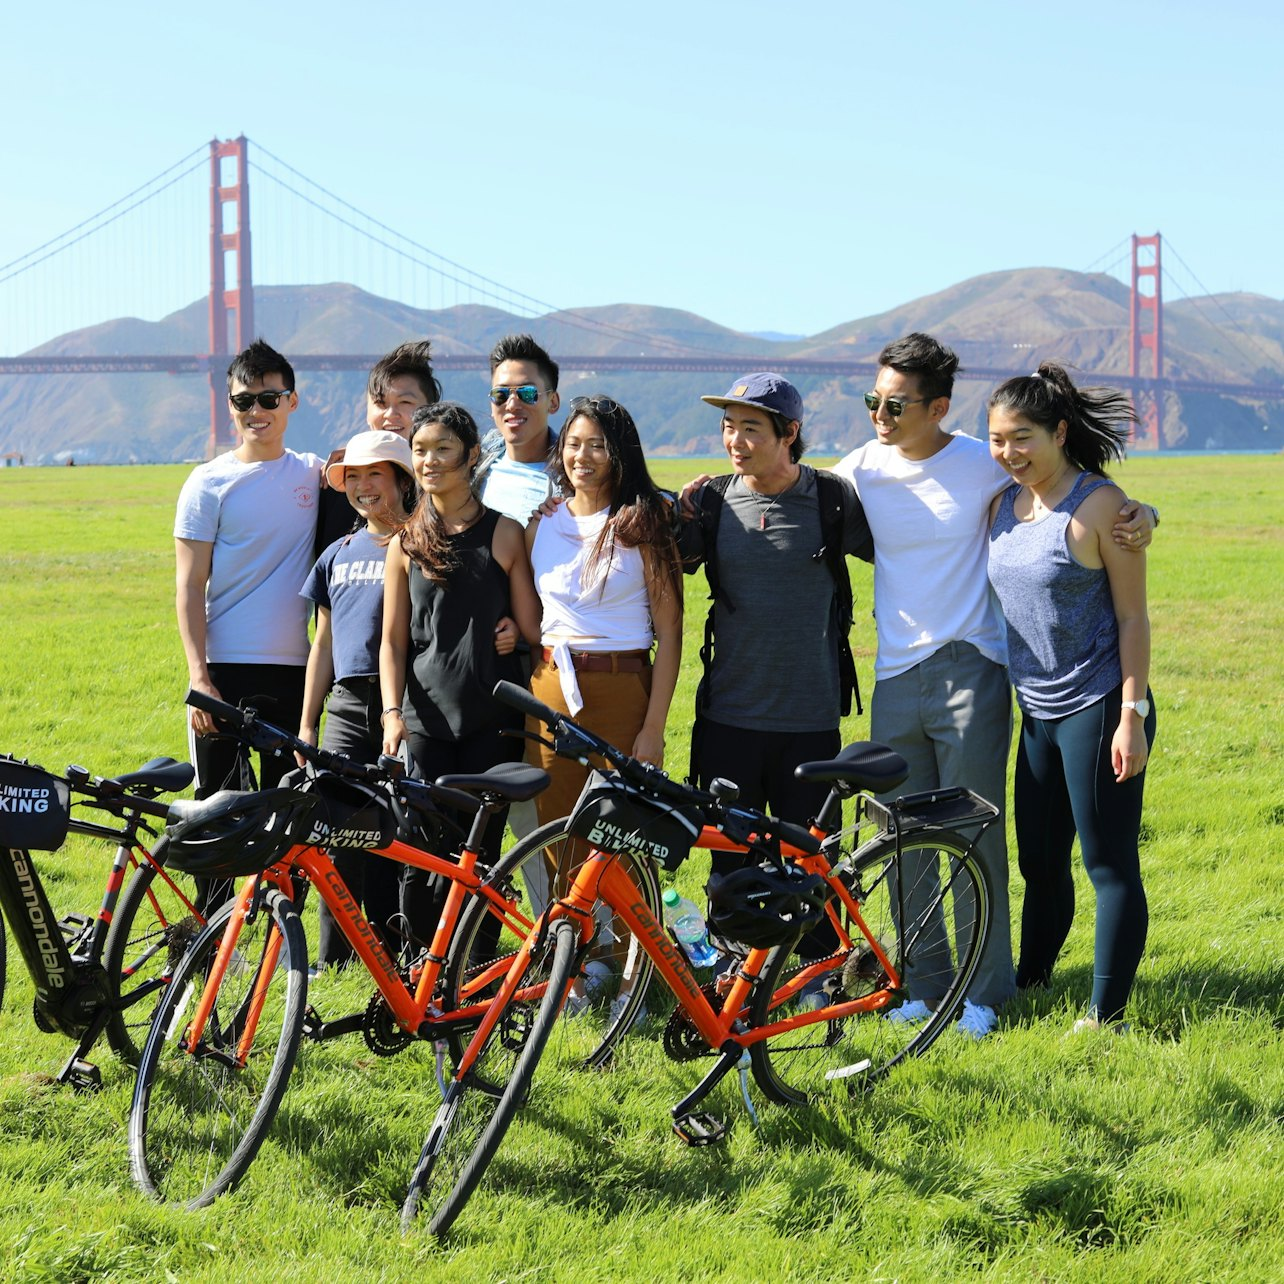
point(231, 307)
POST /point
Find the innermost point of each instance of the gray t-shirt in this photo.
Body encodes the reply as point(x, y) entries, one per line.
point(775, 664)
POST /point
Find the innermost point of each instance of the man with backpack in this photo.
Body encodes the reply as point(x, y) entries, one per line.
point(772, 537)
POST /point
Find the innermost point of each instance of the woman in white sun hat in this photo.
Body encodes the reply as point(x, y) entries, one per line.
point(346, 587)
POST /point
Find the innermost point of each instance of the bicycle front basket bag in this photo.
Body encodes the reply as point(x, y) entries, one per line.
point(34, 807)
point(349, 815)
point(615, 818)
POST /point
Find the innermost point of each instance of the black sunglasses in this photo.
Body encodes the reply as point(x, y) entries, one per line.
point(895, 405)
point(268, 400)
point(527, 393)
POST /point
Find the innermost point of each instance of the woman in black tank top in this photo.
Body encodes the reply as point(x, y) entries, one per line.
point(457, 578)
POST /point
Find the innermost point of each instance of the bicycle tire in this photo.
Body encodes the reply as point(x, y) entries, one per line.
point(197, 1121)
point(151, 929)
point(471, 1122)
point(3, 951)
point(940, 948)
point(600, 1026)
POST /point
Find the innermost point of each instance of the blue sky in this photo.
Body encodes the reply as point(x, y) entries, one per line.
point(777, 166)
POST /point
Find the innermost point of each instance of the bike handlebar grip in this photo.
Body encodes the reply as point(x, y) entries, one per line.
point(208, 704)
point(519, 698)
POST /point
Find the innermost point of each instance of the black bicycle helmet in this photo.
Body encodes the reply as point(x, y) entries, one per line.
point(765, 905)
point(234, 833)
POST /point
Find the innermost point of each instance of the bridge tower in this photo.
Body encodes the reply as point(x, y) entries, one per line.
point(231, 310)
point(1146, 336)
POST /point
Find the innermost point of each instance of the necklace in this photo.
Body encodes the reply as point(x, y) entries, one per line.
point(764, 512)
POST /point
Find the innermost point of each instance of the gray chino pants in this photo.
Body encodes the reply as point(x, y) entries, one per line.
point(950, 717)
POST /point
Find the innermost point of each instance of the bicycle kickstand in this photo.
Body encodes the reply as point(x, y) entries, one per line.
point(698, 1128)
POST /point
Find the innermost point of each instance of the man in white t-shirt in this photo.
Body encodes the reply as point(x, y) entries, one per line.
point(243, 537)
point(941, 694)
point(514, 473)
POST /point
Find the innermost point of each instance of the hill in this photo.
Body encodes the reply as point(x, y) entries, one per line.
point(1000, 320)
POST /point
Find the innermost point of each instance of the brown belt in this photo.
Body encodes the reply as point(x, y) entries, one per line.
point(606, 661)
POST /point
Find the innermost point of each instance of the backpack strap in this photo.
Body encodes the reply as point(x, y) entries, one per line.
point(709, 516)
point(831, 492)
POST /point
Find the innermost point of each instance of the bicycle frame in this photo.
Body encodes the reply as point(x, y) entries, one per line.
point(602, 878)
point(412, 1009)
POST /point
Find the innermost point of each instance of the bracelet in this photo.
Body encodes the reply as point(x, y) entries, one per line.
point(392, 708)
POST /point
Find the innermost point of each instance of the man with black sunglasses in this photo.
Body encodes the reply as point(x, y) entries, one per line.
point(243, 544)
point(513, 476)
point(941, 693)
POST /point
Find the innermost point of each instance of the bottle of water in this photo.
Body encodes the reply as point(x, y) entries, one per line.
point(687, 924)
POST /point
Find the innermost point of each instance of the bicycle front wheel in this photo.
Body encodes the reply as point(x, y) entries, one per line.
point(201, 1109)
point(472, 1122)
point(609, 994)
point(154, 922)
point(929, 910)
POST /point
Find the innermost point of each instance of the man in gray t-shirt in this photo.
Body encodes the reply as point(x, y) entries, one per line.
point(772, 694)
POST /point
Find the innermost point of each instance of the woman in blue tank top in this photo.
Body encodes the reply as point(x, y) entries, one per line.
point(1079, 658)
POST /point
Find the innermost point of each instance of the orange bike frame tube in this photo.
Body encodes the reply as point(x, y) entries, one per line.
point(409, 1011)
point(218, 969)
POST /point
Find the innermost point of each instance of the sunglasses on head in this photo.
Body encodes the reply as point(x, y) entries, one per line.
point(895, 405)
point(268, 400)
point(527, 393)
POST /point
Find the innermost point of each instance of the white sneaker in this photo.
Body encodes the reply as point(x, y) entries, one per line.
point(977, 1020)
point(914, 1011)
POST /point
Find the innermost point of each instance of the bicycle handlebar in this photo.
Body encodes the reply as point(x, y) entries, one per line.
point(741, 824)
point(248, 727)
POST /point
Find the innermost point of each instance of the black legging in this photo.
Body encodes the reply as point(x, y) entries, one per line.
point(1065, 784)
point(423, 894)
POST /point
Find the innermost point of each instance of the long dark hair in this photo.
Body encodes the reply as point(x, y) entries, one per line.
point(1096, 418)
point(640, 516)
point(423, 537)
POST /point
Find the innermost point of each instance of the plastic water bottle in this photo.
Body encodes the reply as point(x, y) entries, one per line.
point(687, 924)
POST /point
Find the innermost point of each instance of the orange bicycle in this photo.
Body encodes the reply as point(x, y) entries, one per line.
point(910, 905)
point(225, 1037)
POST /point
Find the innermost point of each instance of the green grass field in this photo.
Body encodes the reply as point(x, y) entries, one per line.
point(1030, 1156)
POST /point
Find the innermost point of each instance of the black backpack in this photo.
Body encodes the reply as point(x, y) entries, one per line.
point(829, 494)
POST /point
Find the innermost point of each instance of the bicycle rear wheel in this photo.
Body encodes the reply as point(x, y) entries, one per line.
point(154, 923)
point(200, 1113)
point(931, 915)
point(472, 1122)
point(610, 992)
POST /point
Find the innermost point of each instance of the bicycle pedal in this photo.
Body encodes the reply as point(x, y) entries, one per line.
point(82, 1076)
point(75, 928)
point(700, 1129)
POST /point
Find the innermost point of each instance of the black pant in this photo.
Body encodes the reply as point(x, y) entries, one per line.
point(762, 764)
point(352, 728)
point(423, 894)
point(276, 692)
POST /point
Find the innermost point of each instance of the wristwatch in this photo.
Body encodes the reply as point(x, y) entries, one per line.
point(1140, 707)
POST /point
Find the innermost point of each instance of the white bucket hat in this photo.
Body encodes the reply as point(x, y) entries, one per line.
point(377, 447)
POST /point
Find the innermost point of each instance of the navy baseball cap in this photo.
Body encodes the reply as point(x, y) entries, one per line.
point(765, 390)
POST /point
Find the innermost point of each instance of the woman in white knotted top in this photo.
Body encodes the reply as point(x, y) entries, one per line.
point(609, 581)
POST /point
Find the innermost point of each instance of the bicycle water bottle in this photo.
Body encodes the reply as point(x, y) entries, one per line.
point(687, 924)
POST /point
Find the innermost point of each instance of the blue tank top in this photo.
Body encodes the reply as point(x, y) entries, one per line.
point(1063, 639)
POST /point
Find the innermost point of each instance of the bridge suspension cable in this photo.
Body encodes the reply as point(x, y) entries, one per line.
point(1208, 296)
point(475, 282)
point(97, 222)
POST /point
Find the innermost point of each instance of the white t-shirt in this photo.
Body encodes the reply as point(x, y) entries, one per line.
point(931, 520)
point(608, 609)
point(516, 489)
point(261, 518)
